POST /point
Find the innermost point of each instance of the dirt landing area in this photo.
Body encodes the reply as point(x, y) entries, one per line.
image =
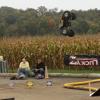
point(40, 91)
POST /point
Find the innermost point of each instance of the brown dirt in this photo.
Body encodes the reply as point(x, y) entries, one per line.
point(42, 92)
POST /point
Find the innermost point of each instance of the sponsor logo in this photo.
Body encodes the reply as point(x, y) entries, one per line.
point(84, 61)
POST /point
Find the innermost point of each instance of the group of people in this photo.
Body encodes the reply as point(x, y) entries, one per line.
point(25, 71)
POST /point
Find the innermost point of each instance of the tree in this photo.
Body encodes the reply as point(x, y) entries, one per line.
point(42, 10)
point(11, 19)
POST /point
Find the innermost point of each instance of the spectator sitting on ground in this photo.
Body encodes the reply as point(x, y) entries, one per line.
point(24, 69)
point(39, 71)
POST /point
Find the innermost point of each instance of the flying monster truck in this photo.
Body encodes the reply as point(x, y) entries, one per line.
point(65, 24)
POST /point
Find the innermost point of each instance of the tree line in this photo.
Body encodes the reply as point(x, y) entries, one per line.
point(41, 21)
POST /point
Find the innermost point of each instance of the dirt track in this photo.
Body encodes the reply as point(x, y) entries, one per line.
point(42, 92)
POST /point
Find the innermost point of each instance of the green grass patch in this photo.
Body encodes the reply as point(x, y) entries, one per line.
point(67, 70)
point(72, 71)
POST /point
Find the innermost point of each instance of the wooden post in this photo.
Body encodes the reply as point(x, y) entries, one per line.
point(46, 73)
point(90, 88)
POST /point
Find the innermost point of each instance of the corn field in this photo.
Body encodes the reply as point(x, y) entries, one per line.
point(49, 48)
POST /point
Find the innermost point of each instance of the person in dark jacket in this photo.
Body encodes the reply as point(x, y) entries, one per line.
point(39, 71)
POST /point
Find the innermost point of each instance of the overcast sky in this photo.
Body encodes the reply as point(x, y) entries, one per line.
point(50, 4)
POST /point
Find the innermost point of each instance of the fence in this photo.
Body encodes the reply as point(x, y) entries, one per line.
point(4, 67)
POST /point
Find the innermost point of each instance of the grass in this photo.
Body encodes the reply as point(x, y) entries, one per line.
point(72, 71)
point(66, 70)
